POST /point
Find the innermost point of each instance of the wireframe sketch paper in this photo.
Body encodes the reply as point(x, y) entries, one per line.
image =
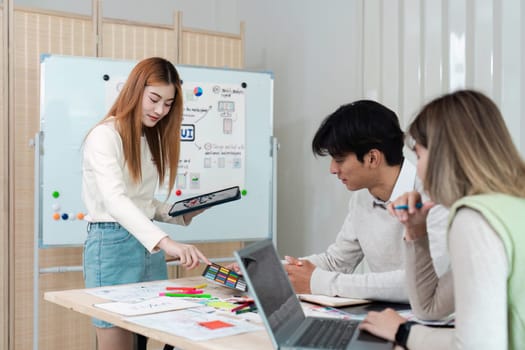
point(193, 324)
point(130, 293)
point(331, 301)
point(149, 306)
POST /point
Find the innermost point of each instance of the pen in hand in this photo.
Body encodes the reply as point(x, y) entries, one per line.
point(405, 206)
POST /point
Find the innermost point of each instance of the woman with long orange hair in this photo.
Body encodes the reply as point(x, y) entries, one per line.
point(126, 155)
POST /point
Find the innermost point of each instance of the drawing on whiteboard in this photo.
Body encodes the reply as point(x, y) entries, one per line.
point(214, 136)
point(220, 129)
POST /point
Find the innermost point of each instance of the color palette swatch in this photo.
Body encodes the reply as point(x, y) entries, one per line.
point(224, 276)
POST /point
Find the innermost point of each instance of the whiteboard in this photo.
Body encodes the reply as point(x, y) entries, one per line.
point(227, 141)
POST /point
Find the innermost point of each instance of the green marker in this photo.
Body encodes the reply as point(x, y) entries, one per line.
point(182, 295)
point(248, 309)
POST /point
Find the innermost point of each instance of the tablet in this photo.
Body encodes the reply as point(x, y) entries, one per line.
point(205, 201)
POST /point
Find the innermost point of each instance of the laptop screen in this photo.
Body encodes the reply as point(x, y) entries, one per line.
point(271, 289)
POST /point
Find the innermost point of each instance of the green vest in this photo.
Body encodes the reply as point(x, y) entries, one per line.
point(506, 215)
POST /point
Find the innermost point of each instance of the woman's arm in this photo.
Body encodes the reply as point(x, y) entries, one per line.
point(431, 297)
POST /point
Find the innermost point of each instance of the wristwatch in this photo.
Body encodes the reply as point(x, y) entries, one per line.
point(402, 333)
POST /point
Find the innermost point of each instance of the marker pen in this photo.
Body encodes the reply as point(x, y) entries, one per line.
point(185, 291)
point(405, 206)
point(242, 306)
point(181, 288)
point(181, 295)
point(248, 309)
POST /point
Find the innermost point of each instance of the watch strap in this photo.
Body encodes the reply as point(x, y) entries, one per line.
point(402, 333)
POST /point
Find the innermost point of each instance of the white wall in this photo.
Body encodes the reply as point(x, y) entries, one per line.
point(314, 52)
point(326, 53)
point(217, 15)
point(436, 46)
point(82, 7)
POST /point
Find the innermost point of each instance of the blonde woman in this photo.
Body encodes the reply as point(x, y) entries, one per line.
point(468, 162)
point(125, 156)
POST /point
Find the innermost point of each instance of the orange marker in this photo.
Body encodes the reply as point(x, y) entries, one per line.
point(182, 288)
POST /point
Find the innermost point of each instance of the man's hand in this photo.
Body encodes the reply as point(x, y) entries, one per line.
point(234, 267)
point(300, 274)
point(293, 261)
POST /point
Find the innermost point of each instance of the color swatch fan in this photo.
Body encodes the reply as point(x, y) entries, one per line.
point(225, 277)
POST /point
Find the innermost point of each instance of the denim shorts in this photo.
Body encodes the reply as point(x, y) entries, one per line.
point(114, 256)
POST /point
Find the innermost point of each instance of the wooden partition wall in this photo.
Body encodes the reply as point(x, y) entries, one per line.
point(4, 185)
point(37, 32)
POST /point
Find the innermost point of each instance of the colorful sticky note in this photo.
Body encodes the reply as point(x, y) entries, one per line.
point(217, 324)
point(221, 305)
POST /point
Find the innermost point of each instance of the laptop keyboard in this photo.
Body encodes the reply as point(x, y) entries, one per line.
point(327, 333)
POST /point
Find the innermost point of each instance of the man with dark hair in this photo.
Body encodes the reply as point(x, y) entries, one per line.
point(365, 142)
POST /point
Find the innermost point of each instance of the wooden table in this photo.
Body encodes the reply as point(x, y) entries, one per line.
point(80, 301)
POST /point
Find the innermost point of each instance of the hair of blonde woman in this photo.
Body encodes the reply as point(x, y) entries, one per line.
point(164, 138)
point(470, 150)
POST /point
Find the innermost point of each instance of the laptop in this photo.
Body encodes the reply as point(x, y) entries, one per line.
point(283, 314)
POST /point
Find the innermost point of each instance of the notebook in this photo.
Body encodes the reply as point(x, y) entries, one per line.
point(282, 313)
point(325, 300)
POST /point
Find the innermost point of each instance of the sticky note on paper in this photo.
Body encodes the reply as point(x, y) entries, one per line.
point(221, 305)
point(217, 324)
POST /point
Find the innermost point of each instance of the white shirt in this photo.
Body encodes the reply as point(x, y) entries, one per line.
point(370, 232)
point(109, 193)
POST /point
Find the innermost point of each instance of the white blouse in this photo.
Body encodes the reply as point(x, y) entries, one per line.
point(109, 193)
